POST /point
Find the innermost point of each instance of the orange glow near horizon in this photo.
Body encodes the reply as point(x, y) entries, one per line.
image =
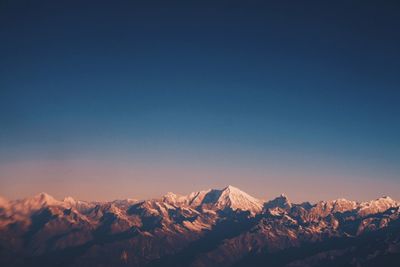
point(107, 180)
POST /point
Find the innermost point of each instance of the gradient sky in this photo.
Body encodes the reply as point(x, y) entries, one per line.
point(113, 99)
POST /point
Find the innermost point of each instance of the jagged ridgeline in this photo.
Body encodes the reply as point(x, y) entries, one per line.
point(214, 227)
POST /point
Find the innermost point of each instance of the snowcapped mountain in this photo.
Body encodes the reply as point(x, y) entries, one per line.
point(281, 202)
point(233, 198)
point(215, 227)
point(37, 202)
point(377, 205)
point(228, 198)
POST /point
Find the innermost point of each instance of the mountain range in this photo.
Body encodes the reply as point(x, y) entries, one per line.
point(216, 227)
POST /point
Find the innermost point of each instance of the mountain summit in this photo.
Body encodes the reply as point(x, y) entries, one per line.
point(280, 202)
point(234, 198)
point(220, 199)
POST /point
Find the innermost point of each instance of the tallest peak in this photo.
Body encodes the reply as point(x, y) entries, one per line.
point(232, 198)
point(231, 188)
point(236, 199)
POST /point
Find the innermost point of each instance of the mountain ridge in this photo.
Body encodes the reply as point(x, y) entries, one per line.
point(49, 198)
point(215, 227)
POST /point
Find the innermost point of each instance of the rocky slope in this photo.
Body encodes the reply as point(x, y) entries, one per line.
point(225, 227)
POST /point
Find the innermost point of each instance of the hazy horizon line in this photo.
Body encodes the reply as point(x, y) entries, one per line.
point(61, 199)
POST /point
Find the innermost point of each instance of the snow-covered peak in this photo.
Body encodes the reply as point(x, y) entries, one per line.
point(195, 199)
point(325, 208)
point(234, 198)
point(69, 200)
point(219, 199)
point(81, 206)
point(382, 201)
point(376, 206)
point(174, 199)
point(34, 203)
point(232, 188)
point(342, 205)
point(386, 198)
point(282, 202)
point(42, 199)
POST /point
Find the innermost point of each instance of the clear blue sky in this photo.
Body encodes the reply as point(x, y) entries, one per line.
point(142, 97)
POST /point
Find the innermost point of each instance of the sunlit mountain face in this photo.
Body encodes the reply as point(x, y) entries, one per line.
point(216, 227)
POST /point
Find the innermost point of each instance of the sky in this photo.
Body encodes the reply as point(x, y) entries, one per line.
point(105, 100)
